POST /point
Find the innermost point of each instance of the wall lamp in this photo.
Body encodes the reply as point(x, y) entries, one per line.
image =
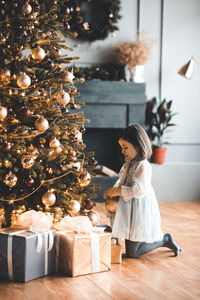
point(187, 70)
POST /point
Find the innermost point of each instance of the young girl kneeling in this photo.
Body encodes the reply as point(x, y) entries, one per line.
point(137, 218)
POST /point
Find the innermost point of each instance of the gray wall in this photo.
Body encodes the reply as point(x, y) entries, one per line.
point(175, 25)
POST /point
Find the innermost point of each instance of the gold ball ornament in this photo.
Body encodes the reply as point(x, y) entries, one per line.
point(93, 217)
point(63, 98)
point(38, 53)
point(49, 198)
point(111, 205)
point(68, 77)
point(3, 113)
point(54, 143)
point(84, 179)
point(27, 161)
point(23, 81)
point(73, 207)
point(57, 211)
point(27, 9)
point(41, 124)
point(5, 74)
point(10, 179)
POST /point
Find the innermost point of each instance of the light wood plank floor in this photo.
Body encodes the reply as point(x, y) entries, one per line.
point(157, 275)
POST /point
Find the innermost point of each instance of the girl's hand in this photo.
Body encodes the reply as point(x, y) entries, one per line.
point(112, 192)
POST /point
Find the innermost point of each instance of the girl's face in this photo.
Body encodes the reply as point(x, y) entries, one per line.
point(128, 150)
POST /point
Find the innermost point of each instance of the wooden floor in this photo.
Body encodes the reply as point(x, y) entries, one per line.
point(157, 275)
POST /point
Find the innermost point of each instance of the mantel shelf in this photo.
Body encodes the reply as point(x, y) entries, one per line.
point(112, 104)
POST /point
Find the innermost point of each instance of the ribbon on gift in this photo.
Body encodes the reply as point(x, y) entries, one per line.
point(95, 252)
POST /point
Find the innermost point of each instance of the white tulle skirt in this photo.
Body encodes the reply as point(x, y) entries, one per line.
point(138, 219)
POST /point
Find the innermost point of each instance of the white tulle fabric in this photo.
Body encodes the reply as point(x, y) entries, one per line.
point(137, 217)
point(79, 224)
point(36, 221)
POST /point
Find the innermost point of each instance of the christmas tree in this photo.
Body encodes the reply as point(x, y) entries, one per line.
point(43, 165)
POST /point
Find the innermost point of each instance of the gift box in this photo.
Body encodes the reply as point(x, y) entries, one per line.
point(116, 254)
point(81, 254)
point(26, 255)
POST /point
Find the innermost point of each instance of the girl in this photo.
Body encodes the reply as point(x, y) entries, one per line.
point(137, 218)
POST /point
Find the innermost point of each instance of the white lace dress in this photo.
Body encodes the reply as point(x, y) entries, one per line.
point(137, 217)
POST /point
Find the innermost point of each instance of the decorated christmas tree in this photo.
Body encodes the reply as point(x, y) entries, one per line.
point(43, 164)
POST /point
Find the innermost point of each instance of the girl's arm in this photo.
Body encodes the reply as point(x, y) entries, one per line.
point(140, 184)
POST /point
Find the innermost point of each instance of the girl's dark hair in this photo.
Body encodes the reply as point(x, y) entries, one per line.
point(138, 137)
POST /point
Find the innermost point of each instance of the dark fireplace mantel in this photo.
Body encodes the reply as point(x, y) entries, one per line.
point(110, 106)
point(113, 104)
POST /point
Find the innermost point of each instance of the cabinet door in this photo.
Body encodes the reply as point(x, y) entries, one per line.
point(105, 115)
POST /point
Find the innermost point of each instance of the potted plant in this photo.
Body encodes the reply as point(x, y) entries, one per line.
point(158, 118)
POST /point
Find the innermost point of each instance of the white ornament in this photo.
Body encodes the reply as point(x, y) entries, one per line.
point(63, 98)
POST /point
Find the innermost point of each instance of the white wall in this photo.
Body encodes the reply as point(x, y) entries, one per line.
point(175, 25)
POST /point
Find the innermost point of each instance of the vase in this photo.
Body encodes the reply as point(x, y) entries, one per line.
point(136, 73)
point(158, 156)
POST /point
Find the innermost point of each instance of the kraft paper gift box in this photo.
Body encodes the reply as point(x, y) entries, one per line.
point(116, 254)
point(81, 254)
point(26, 255)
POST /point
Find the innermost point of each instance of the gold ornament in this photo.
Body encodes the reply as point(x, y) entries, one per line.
point(3, 113)
point(38, 53)
point(93, 217)
point(73, 207)
point(68, 77)
point(49, 198)
point(7, 163)
point(111, 205)
point(23, 81)
point(10, 179)
point(2, 39)
point(33, 151)
point(5, 74)
point(2, 216)
point(27, 8)
point(63, 98)
point(54, 143)
point(41, 124)
point(27, 161)
point(57, 213)
point(84, 179)
point(76, 165)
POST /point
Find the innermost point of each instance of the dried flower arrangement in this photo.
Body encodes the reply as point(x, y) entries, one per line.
point(135, 53)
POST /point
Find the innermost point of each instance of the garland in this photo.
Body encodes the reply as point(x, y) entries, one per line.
point(93, 19)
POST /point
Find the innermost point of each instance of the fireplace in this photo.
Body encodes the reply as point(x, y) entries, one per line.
point(110, 106)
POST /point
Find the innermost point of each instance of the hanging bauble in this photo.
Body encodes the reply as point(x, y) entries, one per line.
point(49, 63)
point(93, 217)
point(54, 143)
point(23, 81)
point(57, 211)
point(88, 204)
point(5, 74)
point(73, 207)
point(24, 113)
point(2, 39)
point(68, 77)
point(72, 105)
point(29, 181)
point(6, 147)
point(84, 178)
point(26, 8)
point(3, 113)
point(41, 124)
point(27, 161)
point(11, 115)
point(49, 198)
point(111, 205)
point(10, 179)
point(7, 163)
point(63, 98)
point(38, 53)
